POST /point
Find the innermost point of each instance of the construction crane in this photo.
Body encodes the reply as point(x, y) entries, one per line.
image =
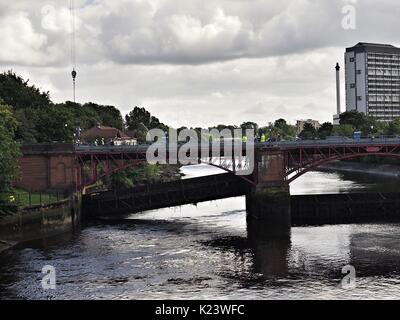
point(73, 48)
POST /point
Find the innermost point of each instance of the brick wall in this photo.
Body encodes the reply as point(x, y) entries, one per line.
point(43, 172)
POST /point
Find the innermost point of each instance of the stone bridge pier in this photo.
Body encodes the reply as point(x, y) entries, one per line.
point(268, 202)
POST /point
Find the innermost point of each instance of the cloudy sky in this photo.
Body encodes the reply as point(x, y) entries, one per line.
point(194, 62)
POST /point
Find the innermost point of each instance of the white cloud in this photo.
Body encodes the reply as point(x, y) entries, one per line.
point(20, 42)
point(193, 62)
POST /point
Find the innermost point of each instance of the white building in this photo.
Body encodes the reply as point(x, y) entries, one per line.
point(373, 80)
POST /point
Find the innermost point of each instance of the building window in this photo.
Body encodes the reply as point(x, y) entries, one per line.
point(352, 85)
point(351, 59)
point(358, 71)
point(359, 98)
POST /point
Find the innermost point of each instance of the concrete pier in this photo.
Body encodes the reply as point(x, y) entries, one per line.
point(269, 208)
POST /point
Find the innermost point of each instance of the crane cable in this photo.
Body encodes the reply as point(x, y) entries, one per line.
point(73, 47)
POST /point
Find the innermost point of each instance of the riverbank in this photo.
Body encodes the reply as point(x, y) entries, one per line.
point(38, 222)
point(382, 170)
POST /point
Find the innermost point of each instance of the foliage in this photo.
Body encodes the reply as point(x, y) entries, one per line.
point(354, 118)
point(140, 121)
point(130, 177)
point(309, 132)
point(16, 92)
point(393, 128)
point(284, 130)
point(56, 123)
point(344, 130)
point(249, 126)
point(9, 149)
point(222, 127)
point(367, 125)
point(40, 120)
point(279, 130)
point(325, 130)
point(141, 117)
point(106, 115)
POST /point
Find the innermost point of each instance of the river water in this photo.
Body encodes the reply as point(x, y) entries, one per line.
point(205, 252)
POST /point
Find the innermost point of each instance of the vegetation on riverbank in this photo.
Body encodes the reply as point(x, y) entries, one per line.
point(143, 174)
point(9, 149)
point(12, 201)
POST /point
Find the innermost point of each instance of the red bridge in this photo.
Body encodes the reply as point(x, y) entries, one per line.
point(65, 166)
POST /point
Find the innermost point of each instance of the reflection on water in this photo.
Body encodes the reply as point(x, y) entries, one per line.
point(208, 251)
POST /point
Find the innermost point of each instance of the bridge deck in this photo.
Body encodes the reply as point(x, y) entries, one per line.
point(161, 195)
point(332, 142)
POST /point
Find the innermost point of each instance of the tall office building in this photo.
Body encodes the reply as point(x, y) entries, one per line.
point(373, 80)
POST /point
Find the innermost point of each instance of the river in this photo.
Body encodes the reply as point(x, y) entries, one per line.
point(204, 252)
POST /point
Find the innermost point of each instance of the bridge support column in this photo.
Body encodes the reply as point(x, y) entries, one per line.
point(269, 208)
point(268, 203)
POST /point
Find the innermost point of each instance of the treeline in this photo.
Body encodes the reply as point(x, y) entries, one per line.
point(277, 130)
point(27, 115)
point(351, 122)
point(41, 120)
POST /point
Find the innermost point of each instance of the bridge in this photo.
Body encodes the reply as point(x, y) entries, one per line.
point(66, 166)
point(267, 179)
point(163, 195)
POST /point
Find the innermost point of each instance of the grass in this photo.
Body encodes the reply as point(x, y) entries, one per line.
point(26, 199)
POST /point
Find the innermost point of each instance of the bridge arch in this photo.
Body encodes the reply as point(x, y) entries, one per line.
point(93, 179)
point(301, 171)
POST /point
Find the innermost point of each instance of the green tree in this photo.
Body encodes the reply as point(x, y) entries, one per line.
point(107, 115)
point(221, 127)
point(372, 126)
point(248, 126)
point(361, 122)
point(133, 176)
point(393, 128)
point(136, 117)
point(55, 124)
point(325, 130)
point(9, 149)
point(308, 132)
point(353, 118)
point(139, 120)
point(16, 92)
point(26, 131)
point(40, 120)
point(344, 130)
point(281, 130)
point(280, 124)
